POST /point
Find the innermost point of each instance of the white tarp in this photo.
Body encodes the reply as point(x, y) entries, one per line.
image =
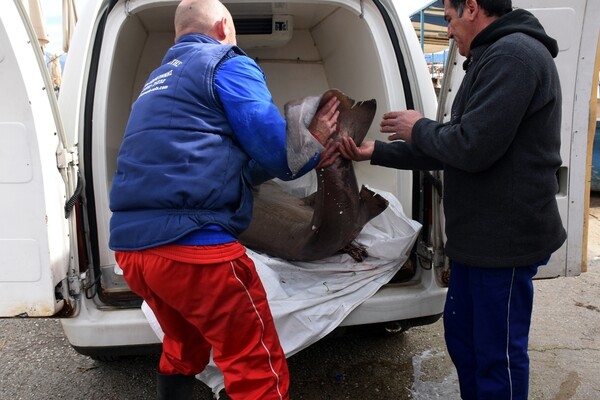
point(310, 299)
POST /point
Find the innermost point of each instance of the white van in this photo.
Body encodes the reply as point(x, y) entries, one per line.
point(57, 158)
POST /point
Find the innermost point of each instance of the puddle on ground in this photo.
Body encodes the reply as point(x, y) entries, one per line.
point(425, 389)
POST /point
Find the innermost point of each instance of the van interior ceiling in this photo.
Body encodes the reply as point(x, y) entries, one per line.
point(330, 46)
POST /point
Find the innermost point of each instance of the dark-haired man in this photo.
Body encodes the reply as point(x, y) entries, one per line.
point(500, 153)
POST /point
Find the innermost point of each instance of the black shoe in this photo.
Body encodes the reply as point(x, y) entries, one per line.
point(174, 387)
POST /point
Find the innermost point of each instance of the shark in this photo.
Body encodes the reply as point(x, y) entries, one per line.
point(327, 221)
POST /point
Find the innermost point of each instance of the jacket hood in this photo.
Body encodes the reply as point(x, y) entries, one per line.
point(516, 21)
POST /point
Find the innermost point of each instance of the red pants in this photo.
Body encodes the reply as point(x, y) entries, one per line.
point(211, 297)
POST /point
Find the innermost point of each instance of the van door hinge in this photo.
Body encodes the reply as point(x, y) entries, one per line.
point(430, 256)
point(425, 254)
point(67, 157)
point(439, 257)
point(76, 283)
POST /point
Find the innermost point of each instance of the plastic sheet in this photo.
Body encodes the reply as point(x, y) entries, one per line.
point(310, 299)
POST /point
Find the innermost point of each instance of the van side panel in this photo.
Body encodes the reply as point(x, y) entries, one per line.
point(575, 63)
point(34, 244)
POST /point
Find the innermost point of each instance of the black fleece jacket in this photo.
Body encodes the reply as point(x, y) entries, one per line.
point(501, 150)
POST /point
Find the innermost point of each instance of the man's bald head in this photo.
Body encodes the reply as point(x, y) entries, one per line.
point(209, 17)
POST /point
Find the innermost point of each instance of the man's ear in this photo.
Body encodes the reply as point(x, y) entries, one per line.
point(471, 9)
point(220, 29)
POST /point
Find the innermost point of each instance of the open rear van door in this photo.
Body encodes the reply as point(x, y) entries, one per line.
point(575, 24)
point(35, 179)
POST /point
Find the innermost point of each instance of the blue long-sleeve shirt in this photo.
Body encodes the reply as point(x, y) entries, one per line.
point(254, 118)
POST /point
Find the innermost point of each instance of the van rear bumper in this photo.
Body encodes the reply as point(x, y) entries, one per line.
point(107, 332)
point(107, 328)
point(401, 302)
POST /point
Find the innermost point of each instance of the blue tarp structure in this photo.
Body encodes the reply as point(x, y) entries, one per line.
point(439, 57)
point(595, 185)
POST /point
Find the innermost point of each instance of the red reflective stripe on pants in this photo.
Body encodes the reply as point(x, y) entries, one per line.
point(222, 306)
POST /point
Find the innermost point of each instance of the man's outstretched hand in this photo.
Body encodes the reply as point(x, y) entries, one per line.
point(351, 151)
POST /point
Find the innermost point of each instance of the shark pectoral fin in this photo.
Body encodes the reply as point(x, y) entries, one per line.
point(355, 117)
point(371, 204)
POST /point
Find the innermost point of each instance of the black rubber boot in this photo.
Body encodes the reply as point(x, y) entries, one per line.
point(174, 387)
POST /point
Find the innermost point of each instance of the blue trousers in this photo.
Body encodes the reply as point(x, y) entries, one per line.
point(486, 326)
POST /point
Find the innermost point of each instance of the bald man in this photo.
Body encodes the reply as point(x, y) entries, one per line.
point(204, 131)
